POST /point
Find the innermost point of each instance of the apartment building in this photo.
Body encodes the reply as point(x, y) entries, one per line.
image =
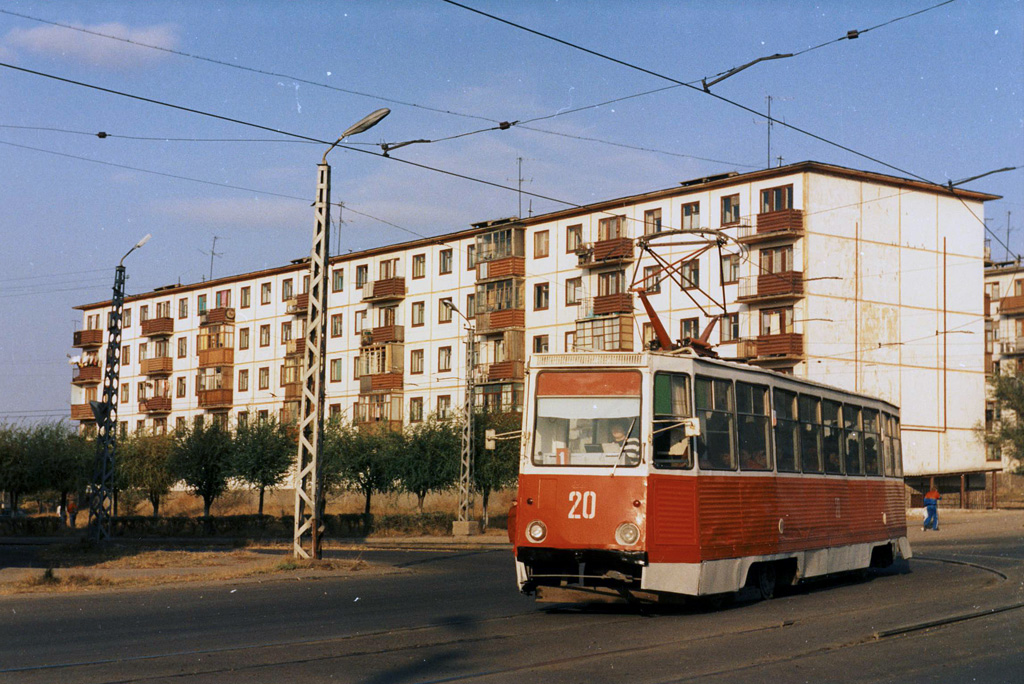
point(1004, 334)
point(860, 280)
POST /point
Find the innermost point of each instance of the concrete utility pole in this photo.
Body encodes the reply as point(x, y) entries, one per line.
point(309, 484)
point(101, 495)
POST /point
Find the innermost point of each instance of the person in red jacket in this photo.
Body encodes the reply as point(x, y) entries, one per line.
point(931, 506)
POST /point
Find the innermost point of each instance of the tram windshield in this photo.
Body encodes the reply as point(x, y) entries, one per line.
point(587, 431)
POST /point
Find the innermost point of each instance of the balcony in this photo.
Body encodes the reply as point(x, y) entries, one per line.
point(606, 253)
point(383, 410)
point(621, 302)
point(215, 398)
point(771, 286)
point(498, 321)
point(381, 382)
point(505, 267)
point(382, 335)
point(87, 339)
point(1012, 346)
point(82, 412)
point(1008, 306)
point(785, 347)
point(158, 327)
point(156, 405)
point(216, 357)
point(222, 314)
point(501, 371)
point(161, 365)
point(774, 225)
point(86, 375)
point(299, 305)
point(292, 391)
point(296, 347)
point(741, 350)
point(384, 290)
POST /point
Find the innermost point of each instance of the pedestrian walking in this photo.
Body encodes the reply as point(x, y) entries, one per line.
point(931, 507)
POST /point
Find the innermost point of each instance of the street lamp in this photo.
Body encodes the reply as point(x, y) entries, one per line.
point(309, 475)
point(105, 412)
point(464, 525)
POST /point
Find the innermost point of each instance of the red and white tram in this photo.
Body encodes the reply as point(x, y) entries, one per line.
point(656, 474)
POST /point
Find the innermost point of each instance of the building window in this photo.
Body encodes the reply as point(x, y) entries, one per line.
point(444, 407)
point(337, 325)
point(246, 295)
point(125, 391)
point(142, 391)
point(416, 410)
point(689, 327)
point(573, 238)
point(647, 335)
point(182, 388)
point(541, 295)
point(419, 266)
point(690, 273)
point(362, 273)
point(222, 298)
point(286, 289)
point(730, 210)
point(243, 380)
point(652, 221)
point(243, 338)
point(163, 309)
point(418, 313)
point(444, 359)
point(265, 335)
point(265, 377)
point(143, 313)
point(777, 199)
point(360, 321)
point(182, 308)
point(182, 347)
point(416, 361)
point(470, 305)
point(777, 321)
point(338, 280)
point(265, 293)
point(777, 259)
point(540, 244)
point(355, 368)
point(613, 282)
point(540, 344)
point(730, 327)
point(570, 341)
point(730, 268)
point(142, 351)
point(388, 268)
point(573, 291)
point(691, 216)
point(445, 262)
point(651, 282)
point(286, 331)
point(126, 319)
point(336, 370)
point(470, 257)
point(126, 355)
point(444, 312)
point(611, 228)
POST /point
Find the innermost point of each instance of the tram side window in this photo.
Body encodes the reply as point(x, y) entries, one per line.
point(672, 448)
point(897, 451)
point(872, 462)
point(786, 431)
point(851, 425)
point(752, 426)
point(714, 405)
point(831, 437)
point(887, 445)
point(810, 434)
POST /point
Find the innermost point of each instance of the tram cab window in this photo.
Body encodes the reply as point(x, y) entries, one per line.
point(832, 437)
point(894, 439)
point(810, 434)
point(714, 403)
point(851, 429)
point(786, 431)
point(752, 426)
point(672, 448)
point(887, 457)
point(587, 431)
point(872, 461)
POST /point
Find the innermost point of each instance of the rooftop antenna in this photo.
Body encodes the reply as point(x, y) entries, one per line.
point(1007, 235)
point(520, 180)
point(213, 253)
point(341, 222)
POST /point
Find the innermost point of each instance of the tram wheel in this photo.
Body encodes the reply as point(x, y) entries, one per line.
point(765, 580)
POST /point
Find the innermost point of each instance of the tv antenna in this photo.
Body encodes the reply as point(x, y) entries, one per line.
point(519, 179)
point(213, 253)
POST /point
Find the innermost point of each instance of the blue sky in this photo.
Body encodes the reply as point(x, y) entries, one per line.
point(940, 95)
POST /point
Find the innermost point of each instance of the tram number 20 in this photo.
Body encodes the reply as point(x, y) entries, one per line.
point(584, 505)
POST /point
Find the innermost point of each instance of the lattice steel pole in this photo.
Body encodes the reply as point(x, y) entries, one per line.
point(464, 525)
point(308, 477)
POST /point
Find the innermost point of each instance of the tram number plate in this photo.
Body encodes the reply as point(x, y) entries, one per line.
point(584, 505)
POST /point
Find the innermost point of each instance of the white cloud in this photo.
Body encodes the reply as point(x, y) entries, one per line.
point(235, 213)
point(94, 49)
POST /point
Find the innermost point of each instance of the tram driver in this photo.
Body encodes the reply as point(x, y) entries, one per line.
point(629, 447)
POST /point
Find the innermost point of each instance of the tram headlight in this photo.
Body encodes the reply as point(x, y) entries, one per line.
point(627, 534)
point(536, 531)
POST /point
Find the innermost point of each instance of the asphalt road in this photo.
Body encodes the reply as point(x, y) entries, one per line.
point(954, 614)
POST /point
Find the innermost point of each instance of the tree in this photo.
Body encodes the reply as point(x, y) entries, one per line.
point(143, 463)
point(18, 476)
point(361, 459)
point(1007, 434)
point(430, 461)
point(264, 452)
point(62, 457)
point(497, 468)
point(202, 458)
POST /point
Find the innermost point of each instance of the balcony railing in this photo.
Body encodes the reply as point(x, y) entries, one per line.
point(296, 347)
point(82, 412)
point(785, 346)
point(606, 252)
point(498, 321)
point(1008, 306)
point(767, 286)
point(86, 375)
point(773, 225)
point(501, 268)
point(292, 390)
point(85, 339)
point(500, 371)
point(158, 327)
point(381, 382)
point(299, 305)
point(161, 365)
point(216, 357)
point(382, 335)
point(386, 289)
point(621, 302)
point(155, 405)
point(215, 398)
point(1012, 346)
